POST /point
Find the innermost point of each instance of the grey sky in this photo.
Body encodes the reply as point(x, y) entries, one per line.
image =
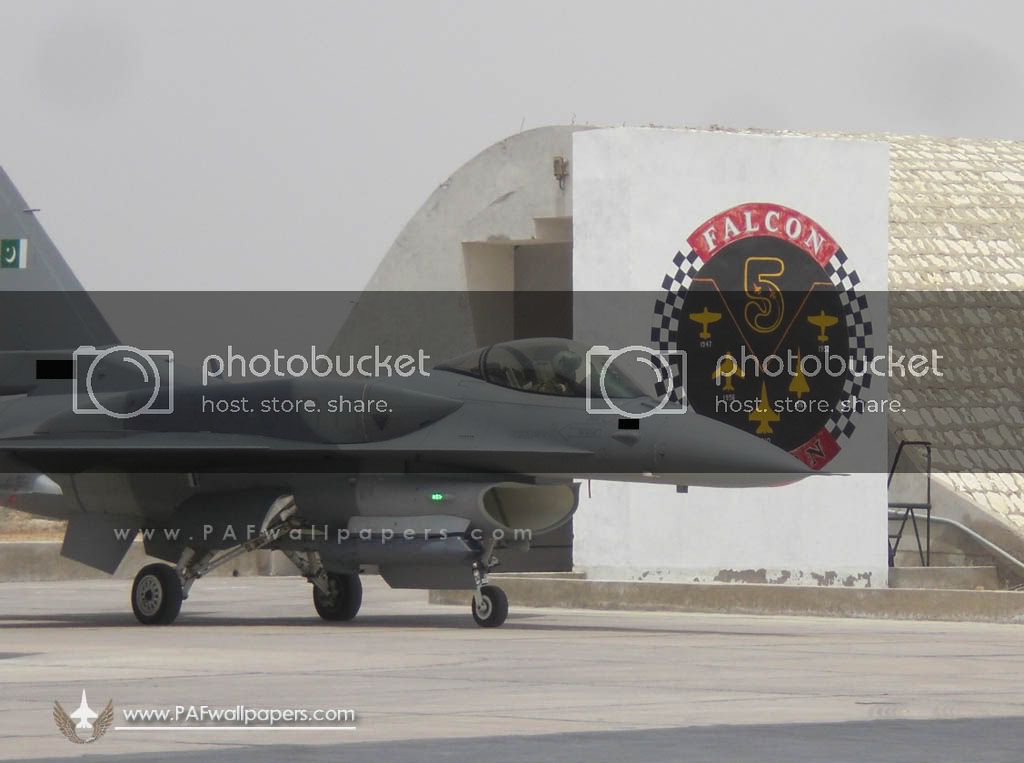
point(269, 145)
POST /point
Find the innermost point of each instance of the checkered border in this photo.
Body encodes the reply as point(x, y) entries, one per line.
point(858, 328)
point(668, 309)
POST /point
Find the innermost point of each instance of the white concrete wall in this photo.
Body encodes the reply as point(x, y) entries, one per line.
point(494, 197)
point(638, 193)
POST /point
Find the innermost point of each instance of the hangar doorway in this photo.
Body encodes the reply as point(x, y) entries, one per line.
point(542, 296)
point(522, 288)
point(517, 290)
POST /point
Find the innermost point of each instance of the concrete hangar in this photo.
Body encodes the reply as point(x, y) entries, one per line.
point(903, 221)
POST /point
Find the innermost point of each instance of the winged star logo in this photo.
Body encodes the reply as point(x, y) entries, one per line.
point(84, 715)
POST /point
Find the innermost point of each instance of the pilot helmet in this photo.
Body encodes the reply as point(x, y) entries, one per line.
point(566, 363)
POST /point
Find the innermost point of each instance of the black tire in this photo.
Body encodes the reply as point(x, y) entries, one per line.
point(493, 607)
point(156, 595)
point(344, 604)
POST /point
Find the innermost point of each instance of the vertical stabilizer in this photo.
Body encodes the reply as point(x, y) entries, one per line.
point(42, 304)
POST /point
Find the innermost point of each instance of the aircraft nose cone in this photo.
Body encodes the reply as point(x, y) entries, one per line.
point(716, 454)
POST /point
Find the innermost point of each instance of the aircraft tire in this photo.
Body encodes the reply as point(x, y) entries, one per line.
point(156, 595)
point(346, 604)
point(492, 609)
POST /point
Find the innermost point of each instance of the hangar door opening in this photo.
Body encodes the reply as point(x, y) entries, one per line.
point(522, 289)
point(542, 296)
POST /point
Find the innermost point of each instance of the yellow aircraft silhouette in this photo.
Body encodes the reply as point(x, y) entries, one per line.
point(727, 368)
point(823, 322)
point(764, 414)
point(799, 384)
point(705, 318)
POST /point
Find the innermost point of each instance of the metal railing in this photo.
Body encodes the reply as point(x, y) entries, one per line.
point(909, 509)
point(902, 511)
point(1006, 556)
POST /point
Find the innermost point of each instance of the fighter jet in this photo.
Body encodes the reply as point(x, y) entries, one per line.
point(425, 479)
point(84, 714)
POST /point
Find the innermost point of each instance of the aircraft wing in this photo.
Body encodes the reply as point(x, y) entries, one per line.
point(207, 451)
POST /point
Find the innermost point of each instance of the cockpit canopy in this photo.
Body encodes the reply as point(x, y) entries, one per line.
point(548, 366)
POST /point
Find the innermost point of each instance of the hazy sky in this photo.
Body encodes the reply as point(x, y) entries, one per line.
point(257, 145)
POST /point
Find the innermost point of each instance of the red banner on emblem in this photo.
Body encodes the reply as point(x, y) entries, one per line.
point(818, 450)
point(758, 219)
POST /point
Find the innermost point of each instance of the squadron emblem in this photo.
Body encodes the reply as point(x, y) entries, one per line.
point(776, 336)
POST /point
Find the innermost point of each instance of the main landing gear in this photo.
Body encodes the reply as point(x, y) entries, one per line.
point(157, 594)
point(159, 589)
point(342, 598)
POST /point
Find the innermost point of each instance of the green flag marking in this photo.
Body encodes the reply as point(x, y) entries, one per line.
point(13, 253)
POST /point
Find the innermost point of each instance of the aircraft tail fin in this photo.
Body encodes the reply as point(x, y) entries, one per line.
point(43, 307)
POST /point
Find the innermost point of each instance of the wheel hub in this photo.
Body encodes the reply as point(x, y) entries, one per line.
point(149, 595)
point(483, 607)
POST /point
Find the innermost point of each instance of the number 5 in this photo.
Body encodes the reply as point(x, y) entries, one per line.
point(765, 306)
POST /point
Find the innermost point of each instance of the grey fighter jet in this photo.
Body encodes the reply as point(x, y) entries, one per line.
point(424, 478)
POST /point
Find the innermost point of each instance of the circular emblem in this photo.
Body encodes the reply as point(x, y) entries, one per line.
point(776, 338)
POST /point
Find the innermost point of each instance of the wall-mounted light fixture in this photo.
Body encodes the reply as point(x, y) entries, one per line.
point(561, 167)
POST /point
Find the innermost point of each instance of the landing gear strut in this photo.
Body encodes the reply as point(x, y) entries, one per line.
point(159, 589)
point(490, 604)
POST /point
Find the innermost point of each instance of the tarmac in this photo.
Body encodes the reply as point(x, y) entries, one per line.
point(551, 685)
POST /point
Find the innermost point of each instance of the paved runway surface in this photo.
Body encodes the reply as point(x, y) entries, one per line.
point(552, 685)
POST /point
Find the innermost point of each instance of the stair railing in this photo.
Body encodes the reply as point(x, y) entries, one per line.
point(907, 510)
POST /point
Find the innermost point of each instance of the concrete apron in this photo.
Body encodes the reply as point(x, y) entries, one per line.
point(41, 560)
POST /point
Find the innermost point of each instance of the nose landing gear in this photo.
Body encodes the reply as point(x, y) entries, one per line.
point(490, 604)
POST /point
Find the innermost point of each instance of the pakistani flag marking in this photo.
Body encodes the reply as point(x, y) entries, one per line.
point(14, 253)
